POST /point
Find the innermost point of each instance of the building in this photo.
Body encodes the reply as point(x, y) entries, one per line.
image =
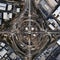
point(47, 6)
point(53, 25)
point(7, 9)
point(52, 3)
point(56, 14)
